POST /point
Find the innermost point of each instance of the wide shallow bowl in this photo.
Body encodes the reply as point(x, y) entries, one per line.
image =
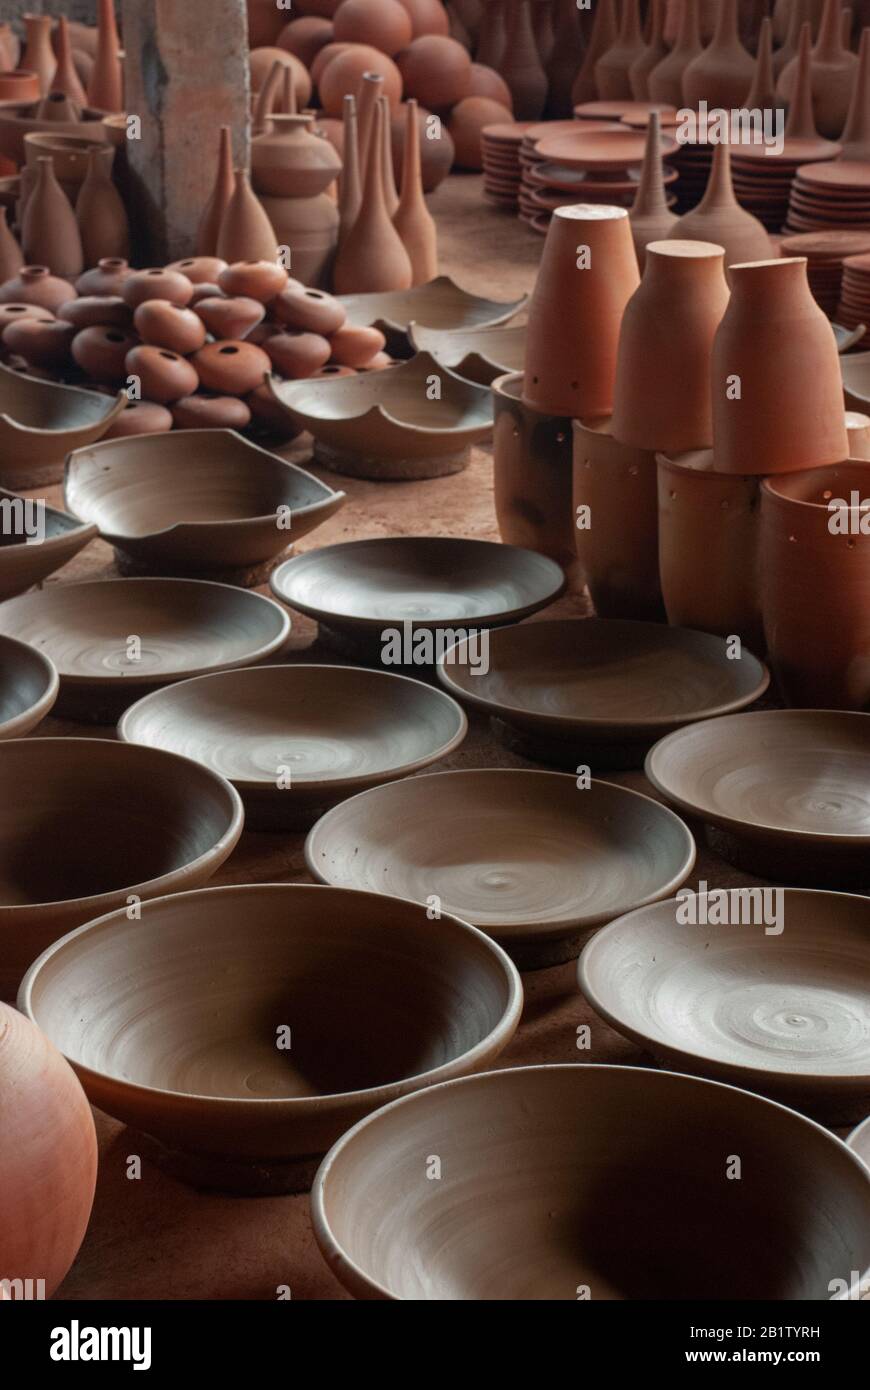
point(41, 422)
point(89, 825)
point(247, 1028)
point(416, 420)
point(28, 688)
point(24, 558)
point(610, 1183)
point(296, 739)
point(398, 588)
point(784, 793)
point(599, 691)
point(439, 304)
point(526, 856)
point(775, 997)
point(859, 1141)
point(195, 501)
point(115, 640)
point(478, 354)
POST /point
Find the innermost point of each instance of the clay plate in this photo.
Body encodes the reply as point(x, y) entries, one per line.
point(41, 422)
point(88, 826)
point(374, 1002)
point(479, 354)
point(777, 1003)
point(28, 688)
point(570, 690)
point(619, 149)
point(524, 855)
point(568, 1182)
point(24, 562)
point(328, 731)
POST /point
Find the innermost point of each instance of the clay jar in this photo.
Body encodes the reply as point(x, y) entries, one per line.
point(355, 346)
point(164, 376)
point(155, 283)
point(587, 275)
point(310, 227)
point(35, 284)
point(96, 310)
point(165, 325)
point(298, 354)
point(106, 278)
point(343, 74)
point(777, 388)
point(140, 417)
point(231, 368)
point(101, 215)
point(43, 342)
point(616, 526)
point(436, 155)
point(207, 412)
point(21, 87)
point(435, 70)
point(290, 161)
point(723, 73)
point(612, 69)
point(200, 270)
point(50, 233)
point(102, 352)
point(373, 257)
point(299, 306)
point(662, 395)
point(720, 218)
point(815, 585)
point(260, 280)
point(230, 318)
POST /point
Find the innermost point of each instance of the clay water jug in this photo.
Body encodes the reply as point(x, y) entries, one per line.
point(723, 73)
point(290, 161)
point(666, 79)
point(212, 217)
point(565, 61)
point(246, 234)
point(413, 220)
point(106, 87)
point(350, 197)
point(388, 172)
point(653, 54)
point(491, 43)
point(612, 68)
point(38, 55)
point(720, 218)
point(833, 71)
point(50, 235)
point(101, 215)
point(521, 65)
point(66, 79)
point(11, 258)
point(651, 217)
point(601, 37)
point(855, 138)
point(373, 258)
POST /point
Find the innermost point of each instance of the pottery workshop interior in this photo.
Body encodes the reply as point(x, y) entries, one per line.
point(434, 662)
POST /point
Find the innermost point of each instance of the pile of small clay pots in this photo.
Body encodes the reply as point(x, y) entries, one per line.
point(192, 343)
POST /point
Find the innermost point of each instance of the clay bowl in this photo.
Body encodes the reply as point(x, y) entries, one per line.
point(195, 502)
point(598, 691)
point(784, 793)
point(523, 855)
point(17, 121)
point(439, 304)
point(859, 1141)
point(89, 825)
point(388, 425)
point(24, 562)
point(855, 370)
point(184, 627)
point(328, 731)
point(28, 688)
point(376, 1004)
point(41, 422)
point(774, 1003)
point(567, 1182)
point(848, 338)
point(478, 354)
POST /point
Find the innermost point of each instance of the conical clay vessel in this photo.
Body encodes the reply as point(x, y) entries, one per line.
point(50, 235)
point(612, 68)
point(651, 218)
point(413, 220)
point(66, 79)
point(101, 215)
point(246, 234)
point(106, 87)
point(666, 79)
point(855, 138)
point(723, 73)
point(350, 194)
point(11, 256)
point(373, 256)
point(720, 218)
point(210, 223)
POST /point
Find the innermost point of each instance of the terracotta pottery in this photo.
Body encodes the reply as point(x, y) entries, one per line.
point(56, 107)
point(437, 71)
point(370, 88)
point(246, 234)
point(230, 318)
point(617, 544)
point(262, 61)
point(665, 82)
point(305, 37)
point(384, 24)
point(833, 72)
point(106, 87)
point(413, 221)
point(612, 69)
point(297, 354)
point(13, 313)
point(48, 1149)
point(569, 372)
point(205, 411)
point(50, 235)
point(762, 93)
point(480, 354)
point(427, 17)
point(651, 216)
point(723, 73)
point(343, 73)
point(140, 417)
point(855, 139)
point(265, 23)
point(858, 430)
point(654, 51)
point(441, 304)
point(199, 270)
point(105, 279)
point(212, 217)
point(42, 342)
point(353, 346)
point(374, 257)
point(231, 368)
point(66, 79)
point(206, 289)
point(156, 283)
point(775, 344)
point(162, 324)
point(260, 280)
point(164, 376)
point(521, 65)
point(102, 352)
point(38, 55)
point(604, 33)
point(485, 82)
point(720, 218)
point(10, 47)
point(491, 39)
point(324, 57)
point(101, 215)
point(289, 161)
point(787, 34)
point(436, 146)
point(11, 255)
point(23, 564)
point(28, 681)
point(19, 87)
point(350, 187)
point(467, 120)
point(40, 422)
point(564, 63)
point(308, 228)
point(815, 584)
point(388, 172)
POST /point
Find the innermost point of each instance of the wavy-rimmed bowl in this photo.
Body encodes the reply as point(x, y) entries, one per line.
point(438, 304)
point(478, 354)
point(19, 119)
point(246, 1028)
point(28, 688)
point(23, 561)
point(41, 422)
point(859, 1141)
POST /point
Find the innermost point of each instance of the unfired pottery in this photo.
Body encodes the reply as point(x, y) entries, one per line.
point(106, 86)
point(720, 218)
point(723, 73)
point(833, 73)
point(231, 366)
point(66, 79)
point(28, 683)
point(23, 562)
point(651, 216)
point(38, 55)
point(412, 219)
point(213, 215)
point(40, 422)
point(612, 69)
point(437, 71)
point(374, 258)
point(290, 161)
point(50, 235)
point(479, 354)
point(101, 215)
point(246, 233)
point(521, 63)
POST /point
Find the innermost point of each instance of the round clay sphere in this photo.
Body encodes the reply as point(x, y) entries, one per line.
point(140, 417)
point(35, 284)
point(385, 24)
point(93, 310)
point(260, 280)
point(325, 56)
point(308, 310)
point(161, 324)
point(264, 22)
point(205, 290)
point(231, 368)
point(486, 82)
point(14, 313)
point(467, 120)
point(298, 354)
point(207, 412)
point(435, 70)
point(427, 17)
point(156, 283)
point(200, 270)
point(106, 278)
point(436, 145)
point(306, 37)
point(163, 375)
point(230, 318)
point(43, 342)
point(102, 352)
point(261, 61)
point(355, 346)
point(344, 73)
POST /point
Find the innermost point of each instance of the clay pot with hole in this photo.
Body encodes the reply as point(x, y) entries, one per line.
point(298, 354)
point(162, 324)
point(260, 280)
point(164, 376)
point(354, 345)
point(310, 310)
point(231, 368)
point(206, 412)
point(140, 417)
point(343, 72)
point(105, 278)
point(35, 284)
point(15, 313)
point(41, 342)
point(102, 352)
point(199, 269)
point(97, 310)
point(230, 318)
point(153, 283)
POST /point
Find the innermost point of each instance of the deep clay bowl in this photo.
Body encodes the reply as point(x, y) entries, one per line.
point(195, 501)
point(173, 1024)
point(527, 856)
point(296, 739)
point(478, 354)
point(41, 422)
point(599, 691)
point(28, 688)
point(784, 1011)
point(26, 562)
point(85, 824)
point(784, 793)
point(567, 1182)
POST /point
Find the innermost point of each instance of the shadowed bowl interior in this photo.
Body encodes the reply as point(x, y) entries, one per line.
point(28, 688)
point(45, 406)
point(555, 1181)
point(26, 559)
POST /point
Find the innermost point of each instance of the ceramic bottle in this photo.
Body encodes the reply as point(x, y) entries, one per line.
point(602, 37)
point(373, 257)
point(246, 234)
point(565, 61)
point(35, 284)
point(612, 68)
point(106, 87)
point(720, 218)
point(50, 235)
point(833, 73)
point(38, 55)
point(412, 220)
point(789, 47)
point(210, 222)
point(855, 138)
point(388, 172)
point(66, 79)
point(723, 73)
point(370, 88)
point(289, 161)
point(665, 82)
point(11, 257)
point(653, 53)
point(350, 194)
point(101, 215)
point(521, 65)
point(762, 93)
point(651, 217)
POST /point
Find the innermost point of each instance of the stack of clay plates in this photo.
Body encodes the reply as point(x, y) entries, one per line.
point(501, 161)
point(830, 195)
point(825, 253)
point(854, 305)
point(692, 163)
point(625, 110)
point(582, 164)
point(763, 181)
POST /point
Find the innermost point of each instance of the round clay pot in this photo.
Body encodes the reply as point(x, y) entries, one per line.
point(324, 57)
point(289, 161)
point(21, 86)
point(230, 318)
point(435, 70)
point(41, 342)
point(35, 284)
point(436, 145)
point(343, 73)
point(262, 61)
point(205, 290)
point(200, 270)
point(385, 24)
point(165, 325)
point(16, 313)
point(164, 376)
point(97, 310)
point(298, 354)
point(311, 310)
point(231, 368)
point(140, 417)
point(102, 352)
point(467, 119)
point(156, 283)
point(354, 345)
point(260, 280)
point(106, 278)
point(206, 412)
point(486, 82)
point(306, 37)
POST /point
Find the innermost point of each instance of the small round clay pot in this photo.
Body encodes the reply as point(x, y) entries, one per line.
point(355, 346)
point(102, 352)
point(343, 74)
point(41, 342)
point(298, 354)
point(230, 318)
point(260, 280)
point(165, 325)
point(16, 313)
point(206, 412)
point(35, 284)
point(309, 310)
point(106, 278)
point(95, 310)
point(21, 86)
point(199, 270)
point(205, 290)
point(154, 283)
point(385, 24)
point(231, 368)
point(164, 376)
point(435, 70)
point(467, 121)
point(140, 417)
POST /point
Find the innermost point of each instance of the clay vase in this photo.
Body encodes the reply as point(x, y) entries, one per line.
point(296, 355)
point(388, 172)
point(653, 54)
point(10, 48)
point(231, 368)
point(565, 61)
point(210, 223)
point(246, 234)
point(493, 34)
point(11, 257)
point(106, 278)
point(602, 37)
point(855, 139)
point(587, 275)
point(106, 86)
point(542, 28)
point(612, 68)
point(35, 284)
point(308, 228)
point(783, 55)
point(413, 220)
point(289, 161)
point(777, 388)
point(723, 73)
point(614, 490)
point(662, 395)
point(50, 235)
point(762, 93)
point(665, 82)
point(815, 585)
point(720, 218)
point(48, 1157)
point(521, 65)
point(370, 88)
point(200, 270)
point(833, 71)
point(350, 189)
point(38, 55)
point(373, 258)
point(66, 79)
point(651, 217)
point(709, 548)
point(101, 215)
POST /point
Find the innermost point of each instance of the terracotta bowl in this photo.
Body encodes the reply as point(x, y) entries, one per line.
point(784, 793)
point(25, 562)
point(185, 627)
point(296, 739)
point(87, 825)
point(859, 1141)
point(775, 1001)
point(41, 422)
point(439, 304)
point(372, 1000)
point(390, 424)
point(478, 354)
point(599, 691)
point(567, 1182)
point(526, 856)
point(194, 502)
point(28, 688)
